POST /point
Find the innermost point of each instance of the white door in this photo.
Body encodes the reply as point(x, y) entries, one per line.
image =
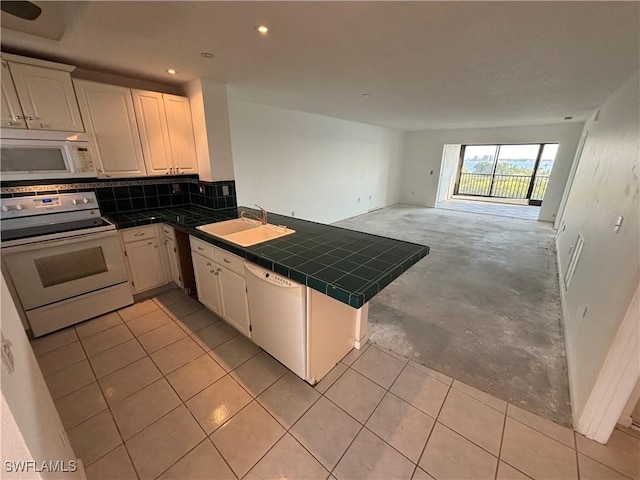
point(174, 267)
point(109, 116)
point(152, 124)
point(47, 98)
point(206, 274)
point(233, 291)
point(180, 125)
point(145, 265)
point(10, 111)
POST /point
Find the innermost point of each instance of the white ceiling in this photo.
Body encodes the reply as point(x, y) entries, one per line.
point(428, 65)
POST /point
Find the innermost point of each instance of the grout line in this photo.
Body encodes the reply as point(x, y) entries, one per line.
point(366, 420)
point(433, 428)
point(504, 427)
point(544, 434)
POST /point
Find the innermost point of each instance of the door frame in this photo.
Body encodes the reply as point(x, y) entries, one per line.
point(617, 379)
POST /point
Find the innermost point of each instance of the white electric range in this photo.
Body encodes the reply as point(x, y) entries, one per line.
point(62, 260)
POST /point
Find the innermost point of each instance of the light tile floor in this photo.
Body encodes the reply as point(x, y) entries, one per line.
point(165, 389)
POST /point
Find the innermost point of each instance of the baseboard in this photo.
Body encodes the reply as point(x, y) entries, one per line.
point(564, 318)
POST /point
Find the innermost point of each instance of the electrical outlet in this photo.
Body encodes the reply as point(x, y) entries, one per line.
point(358, 199)
point(225, 190)
point(201, 189)
point(293, 214)
point(175, 188)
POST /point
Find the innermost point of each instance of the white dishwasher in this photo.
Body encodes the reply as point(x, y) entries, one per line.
point(277, 308)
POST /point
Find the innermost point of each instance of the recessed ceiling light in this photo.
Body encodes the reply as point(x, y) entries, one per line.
point(171, 71)
point(262, 29)
point(367, 95)
point(568, 118)
point(207, 55)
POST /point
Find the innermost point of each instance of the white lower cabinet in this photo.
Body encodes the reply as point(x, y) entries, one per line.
point(207, 282)
point(233, 291)
point(144, 258)
point(220, 283)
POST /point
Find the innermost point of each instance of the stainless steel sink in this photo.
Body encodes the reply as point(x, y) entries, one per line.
point(245, 232)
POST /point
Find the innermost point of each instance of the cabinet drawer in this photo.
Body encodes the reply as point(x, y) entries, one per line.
point(168, 232)
point(138, 233)
point(229, 260)
point(203, 248)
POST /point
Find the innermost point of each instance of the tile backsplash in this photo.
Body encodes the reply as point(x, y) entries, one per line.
point(134, 194)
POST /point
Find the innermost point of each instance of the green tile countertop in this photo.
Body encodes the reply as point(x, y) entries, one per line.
point(347, 265)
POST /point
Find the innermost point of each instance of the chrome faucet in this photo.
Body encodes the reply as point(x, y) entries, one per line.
point(262, 218)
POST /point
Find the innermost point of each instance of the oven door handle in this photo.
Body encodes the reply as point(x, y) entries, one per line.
point(54, 242)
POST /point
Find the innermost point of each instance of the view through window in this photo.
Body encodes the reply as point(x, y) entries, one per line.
point(515, 171)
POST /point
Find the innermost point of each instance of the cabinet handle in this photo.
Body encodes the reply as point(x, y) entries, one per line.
point(177, 170)
point(226, 261)
point(18, 117)
point(10, 123)
point(42, 125)
point(139, 234)
point(149, 243)
point(208, 264)
point(200, 248)
point(29, 118)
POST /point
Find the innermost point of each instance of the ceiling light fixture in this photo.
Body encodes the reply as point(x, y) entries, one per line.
point(262, 29)
point(171, 71)
point(207, 55)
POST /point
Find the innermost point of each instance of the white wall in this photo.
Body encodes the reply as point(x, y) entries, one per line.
point(27, 404)
point(423, 155)
point(606, 185)
point(210, 115)
point(448, 171)
point(316, 166)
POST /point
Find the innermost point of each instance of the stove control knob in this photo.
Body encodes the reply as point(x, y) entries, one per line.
point(6, 208)
point(19, 207)
point(85, 200)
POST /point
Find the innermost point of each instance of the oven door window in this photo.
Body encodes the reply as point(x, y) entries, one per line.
point(66, 267)
point(33, 159)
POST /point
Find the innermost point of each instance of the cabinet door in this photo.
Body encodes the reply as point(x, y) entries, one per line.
point(180, 126)
point(235, 308)
point(145, 265)
point(47, 98)
point(174, 266)
point(111, 125)
point(10, 111)
point(152, 124)
point(207, 282)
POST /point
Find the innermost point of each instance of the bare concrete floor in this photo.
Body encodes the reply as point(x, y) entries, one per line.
point(483, 307)
point(526, 212)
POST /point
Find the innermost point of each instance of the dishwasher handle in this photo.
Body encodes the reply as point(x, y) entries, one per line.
point(270, 277)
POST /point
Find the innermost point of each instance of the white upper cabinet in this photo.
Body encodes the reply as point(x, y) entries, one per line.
point(180, 126)
point(152, 124)
point(166, 131)
point(109, 116)
point(46, 96)
point(11, 114)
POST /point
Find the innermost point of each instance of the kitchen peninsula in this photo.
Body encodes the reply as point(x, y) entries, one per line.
point(340, 269)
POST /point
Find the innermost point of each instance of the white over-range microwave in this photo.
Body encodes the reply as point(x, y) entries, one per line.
point(40, 155)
